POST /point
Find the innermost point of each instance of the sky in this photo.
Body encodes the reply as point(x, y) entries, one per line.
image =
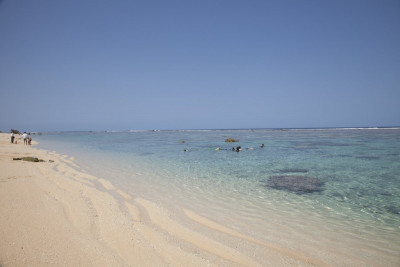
point(209, 64)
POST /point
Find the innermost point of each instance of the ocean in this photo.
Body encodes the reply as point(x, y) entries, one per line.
point(326, 190)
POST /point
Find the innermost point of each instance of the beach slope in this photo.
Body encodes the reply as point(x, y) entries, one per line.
point(53, 213)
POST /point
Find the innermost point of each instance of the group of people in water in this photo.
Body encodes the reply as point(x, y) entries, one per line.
point(237, 149)
point(27, 138)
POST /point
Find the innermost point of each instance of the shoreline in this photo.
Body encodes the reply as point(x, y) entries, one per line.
point(59, 215)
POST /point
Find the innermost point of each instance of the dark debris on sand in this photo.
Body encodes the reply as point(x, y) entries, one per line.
point(30, 159)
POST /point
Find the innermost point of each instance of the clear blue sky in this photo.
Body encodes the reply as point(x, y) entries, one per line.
point(103, 65)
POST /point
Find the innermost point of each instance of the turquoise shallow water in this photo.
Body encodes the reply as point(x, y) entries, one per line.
point(358, 174)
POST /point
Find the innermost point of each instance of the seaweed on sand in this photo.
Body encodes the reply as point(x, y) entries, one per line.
point(30, 159)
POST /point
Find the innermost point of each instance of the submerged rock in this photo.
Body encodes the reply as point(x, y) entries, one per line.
point(367, 157)
point(288, 170)
point(295, 183)
point(392, 209)
point(231, 140)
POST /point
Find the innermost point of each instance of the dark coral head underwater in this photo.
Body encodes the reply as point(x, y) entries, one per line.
point(295, 183)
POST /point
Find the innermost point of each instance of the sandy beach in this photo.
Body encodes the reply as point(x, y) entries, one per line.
point(54, 214)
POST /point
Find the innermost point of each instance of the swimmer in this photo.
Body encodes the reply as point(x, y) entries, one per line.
point(262, 146)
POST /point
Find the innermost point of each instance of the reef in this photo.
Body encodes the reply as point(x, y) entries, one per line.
point(289, 170)
point(295, 183)
point(367, 157)
point(231, 140)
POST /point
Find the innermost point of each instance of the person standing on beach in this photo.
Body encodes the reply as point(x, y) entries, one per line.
point(25, 136)
point(12, 138)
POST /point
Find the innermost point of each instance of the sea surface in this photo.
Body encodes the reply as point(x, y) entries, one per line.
point(328, 188)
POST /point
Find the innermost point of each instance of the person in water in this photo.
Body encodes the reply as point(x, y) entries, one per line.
point(262, 146)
